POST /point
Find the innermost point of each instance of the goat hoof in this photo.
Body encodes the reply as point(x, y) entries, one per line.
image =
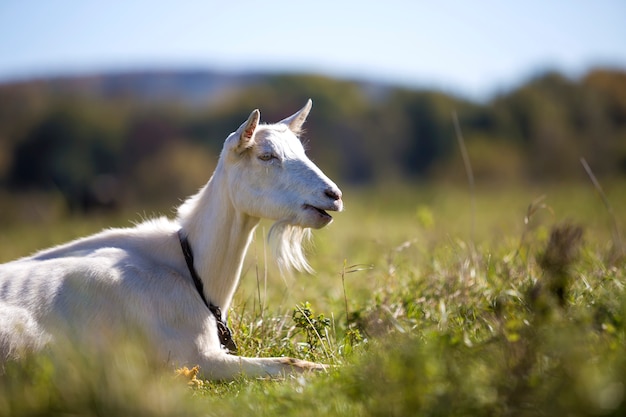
point(299, 365)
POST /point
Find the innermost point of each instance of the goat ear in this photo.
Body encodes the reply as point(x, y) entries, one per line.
point(245, 133)
point(296, 121)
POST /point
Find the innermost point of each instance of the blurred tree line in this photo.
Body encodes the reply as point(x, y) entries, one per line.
point(97, 150)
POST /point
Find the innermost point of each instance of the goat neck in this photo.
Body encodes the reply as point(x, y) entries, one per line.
point(219, 236)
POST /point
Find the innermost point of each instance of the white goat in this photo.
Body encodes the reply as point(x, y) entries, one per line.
point(143, 277)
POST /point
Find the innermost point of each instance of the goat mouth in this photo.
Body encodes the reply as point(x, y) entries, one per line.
point(322, 213)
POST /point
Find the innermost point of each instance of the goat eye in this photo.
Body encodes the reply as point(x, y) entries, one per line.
point(266, 157)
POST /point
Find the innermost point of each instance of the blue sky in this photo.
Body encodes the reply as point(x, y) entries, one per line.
point(474, 48)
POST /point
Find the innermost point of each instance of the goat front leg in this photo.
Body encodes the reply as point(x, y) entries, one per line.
point(222, 366)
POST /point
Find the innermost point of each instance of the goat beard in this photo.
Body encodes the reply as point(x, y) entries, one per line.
point(287, 243)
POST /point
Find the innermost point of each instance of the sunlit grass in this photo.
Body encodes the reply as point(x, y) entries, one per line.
point(420, 315)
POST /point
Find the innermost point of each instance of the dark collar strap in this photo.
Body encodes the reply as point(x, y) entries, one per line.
point(224, 333)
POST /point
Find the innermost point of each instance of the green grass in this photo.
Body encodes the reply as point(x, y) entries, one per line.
point(421, 314)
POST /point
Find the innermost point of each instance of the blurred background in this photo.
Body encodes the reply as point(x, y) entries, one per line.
point(117, 105)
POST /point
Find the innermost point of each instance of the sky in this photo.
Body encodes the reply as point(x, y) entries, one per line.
point(473, 48)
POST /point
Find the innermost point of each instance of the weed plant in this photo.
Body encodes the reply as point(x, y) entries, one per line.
point(422, 308)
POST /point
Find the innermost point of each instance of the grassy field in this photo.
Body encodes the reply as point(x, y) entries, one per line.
point(428, 301)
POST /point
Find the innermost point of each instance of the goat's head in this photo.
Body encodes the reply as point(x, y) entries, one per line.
point(270, 176)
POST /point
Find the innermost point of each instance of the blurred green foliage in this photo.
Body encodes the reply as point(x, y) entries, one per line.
point(100, 148)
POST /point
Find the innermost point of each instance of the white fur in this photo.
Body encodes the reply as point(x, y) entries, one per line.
point(136, 278)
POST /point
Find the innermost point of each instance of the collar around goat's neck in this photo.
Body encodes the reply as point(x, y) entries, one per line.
point(224, 333)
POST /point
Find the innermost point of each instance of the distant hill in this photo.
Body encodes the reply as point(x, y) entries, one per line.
point(194, 87)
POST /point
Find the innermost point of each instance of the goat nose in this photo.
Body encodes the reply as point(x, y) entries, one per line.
point(333, 193)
